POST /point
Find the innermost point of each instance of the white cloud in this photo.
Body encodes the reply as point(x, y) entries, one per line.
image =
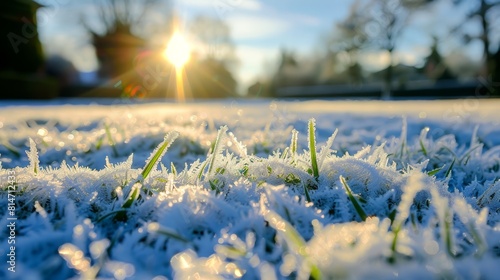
point(249, 5)
point(255, 27)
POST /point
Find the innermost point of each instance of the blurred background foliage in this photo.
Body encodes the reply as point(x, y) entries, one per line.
point(128, 38)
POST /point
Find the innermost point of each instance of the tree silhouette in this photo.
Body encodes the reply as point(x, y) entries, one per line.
point(20, 46)
point(117, 46)
point(435, 67)
point(496, 72)
point(377, 24)
point(483, 12)
point(349, 38)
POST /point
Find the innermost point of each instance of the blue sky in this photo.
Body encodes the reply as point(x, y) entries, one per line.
point(259, 30)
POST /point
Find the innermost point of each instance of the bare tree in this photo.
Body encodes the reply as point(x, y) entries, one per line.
point(349, 39)
point(388, 21)
point(483, 12)
point(121, 15)
point(378, 24)
point(117, 46)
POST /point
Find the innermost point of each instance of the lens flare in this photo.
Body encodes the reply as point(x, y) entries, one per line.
point(178, 51)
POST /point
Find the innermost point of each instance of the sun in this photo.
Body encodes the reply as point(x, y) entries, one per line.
point(178, 51)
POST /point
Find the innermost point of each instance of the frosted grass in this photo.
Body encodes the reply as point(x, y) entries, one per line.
point(384, 197)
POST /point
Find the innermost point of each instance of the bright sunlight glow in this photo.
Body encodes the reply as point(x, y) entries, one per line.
point(177, 51)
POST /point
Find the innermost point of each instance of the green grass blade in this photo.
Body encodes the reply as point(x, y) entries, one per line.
point(403, 137)
point(413, 220)
point(306, 191)
point(240, 147)
point(312, 148)
point(218, 146)
point(98, 144)
point(173, 169)
point(158, 153)
point(293, 144)
point(293, 239)
point(448, 234)
point(392, 216)
point(110, 214)
point(435, 171)
point(291, 235)
point(214, 186)
point(448, 172)
point(132, 197)
point(200, 174)
point(422, 147)
point(325, 150)
point(401, 153)
point(315, 273)
point(359, 209)
point(394, 243)
point(156, 228)
point(110, 139)
point(285, 153)
point(33, 157)
point(478, 240)
point(466, 156)
point(230, 251)
point(11, 148)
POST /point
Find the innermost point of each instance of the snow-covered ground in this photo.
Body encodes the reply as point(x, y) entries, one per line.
point(252, 190)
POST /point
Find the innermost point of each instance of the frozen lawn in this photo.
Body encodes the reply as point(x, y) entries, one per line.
point(251, 190)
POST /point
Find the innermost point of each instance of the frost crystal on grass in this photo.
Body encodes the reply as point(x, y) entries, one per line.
point(33, 157)
point(158, 153)
point(381, 198)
